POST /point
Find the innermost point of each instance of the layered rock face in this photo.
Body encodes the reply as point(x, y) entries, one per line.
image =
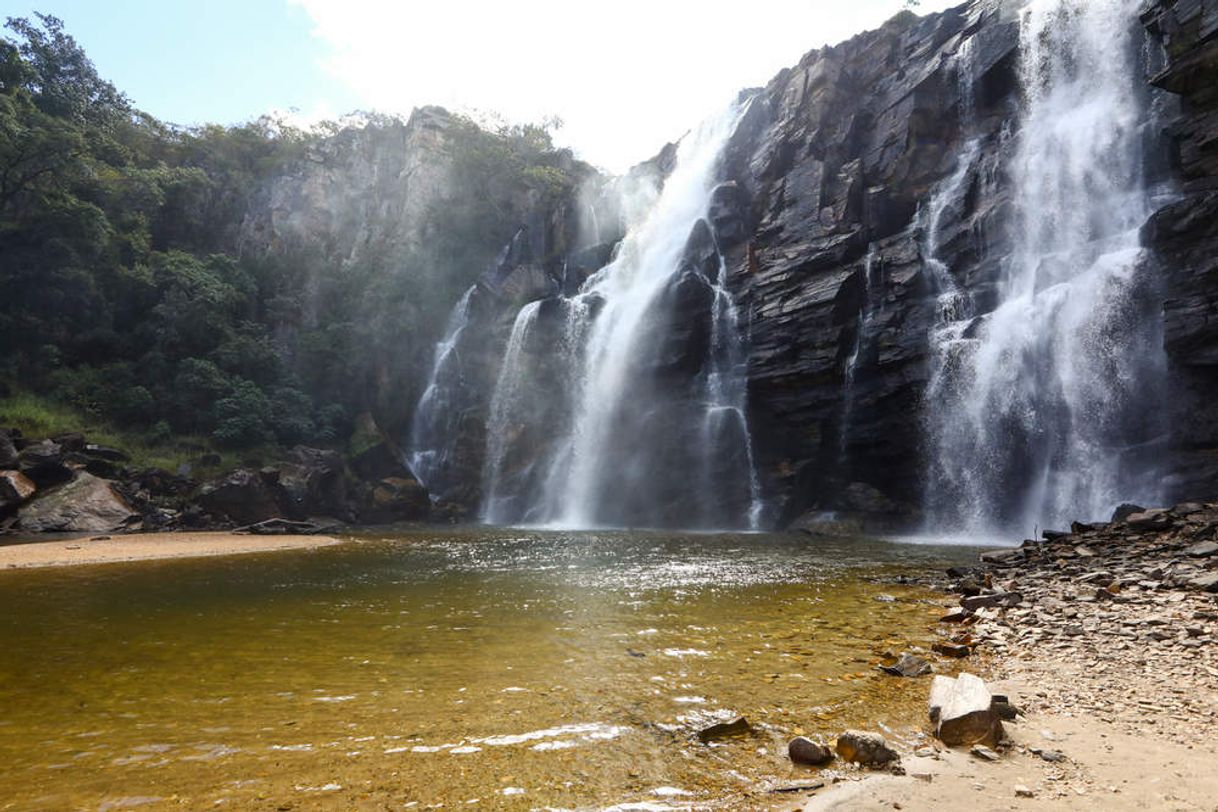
point(839, 159)
point(1185, 234)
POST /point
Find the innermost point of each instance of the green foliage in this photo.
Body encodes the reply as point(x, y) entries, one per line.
point(159, 447)
point(123, 295)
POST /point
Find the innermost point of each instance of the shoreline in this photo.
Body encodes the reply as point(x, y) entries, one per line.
point(1105, 638)
point(90, 550)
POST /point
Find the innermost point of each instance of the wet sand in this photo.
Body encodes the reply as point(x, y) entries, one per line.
point(147, 547)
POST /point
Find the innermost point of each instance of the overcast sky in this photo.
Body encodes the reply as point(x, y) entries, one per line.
point(624, 76)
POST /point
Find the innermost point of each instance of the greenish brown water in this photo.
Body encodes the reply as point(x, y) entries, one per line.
point(521, 669)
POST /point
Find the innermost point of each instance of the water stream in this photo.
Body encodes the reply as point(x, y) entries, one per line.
point(433, 432)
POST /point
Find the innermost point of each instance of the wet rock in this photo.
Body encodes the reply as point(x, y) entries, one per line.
point(957, 650)
point(802, 750)
point(962, 711)
point(85, 505)
point(908, 665)
point(725, 730)
point(865, 748)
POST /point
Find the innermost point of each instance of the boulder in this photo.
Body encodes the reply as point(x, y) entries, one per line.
point(87, 504)
point(803, 750)
point(865, 748)
point(314, 482)
point(962, 711)
point(243, 497)
point(15, 489)
point(395, 499)
point(1126, 510)
point(44, 464)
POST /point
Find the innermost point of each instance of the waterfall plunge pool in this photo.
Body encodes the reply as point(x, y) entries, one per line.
point(523, 669)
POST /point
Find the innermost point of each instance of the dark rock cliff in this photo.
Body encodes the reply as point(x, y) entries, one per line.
point(837, 157)
point(1185, 233)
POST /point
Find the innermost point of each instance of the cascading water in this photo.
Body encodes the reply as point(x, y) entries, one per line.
point(1033, 406)
point(866, 313)
point(639, 416)
point(436, 419)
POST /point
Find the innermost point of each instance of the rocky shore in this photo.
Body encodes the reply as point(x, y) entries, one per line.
point(68, 484)
point(1101, 678)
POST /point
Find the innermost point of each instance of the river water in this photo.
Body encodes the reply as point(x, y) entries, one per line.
point(473, 667)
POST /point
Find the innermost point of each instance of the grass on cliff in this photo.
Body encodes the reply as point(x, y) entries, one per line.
point(38, 417)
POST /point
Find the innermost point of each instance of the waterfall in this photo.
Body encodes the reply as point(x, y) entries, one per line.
point(513, 375)
point(434, 428)
point(866, 313)
point(1033, 405)
point(639, 417)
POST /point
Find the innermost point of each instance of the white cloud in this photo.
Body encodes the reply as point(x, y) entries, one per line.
point(625, 76)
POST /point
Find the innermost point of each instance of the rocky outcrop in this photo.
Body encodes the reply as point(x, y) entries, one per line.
point(394, 499)
point(1185, 235)
point(87, 504)
point(835, 157)
point(244, 496)
point(366, 188)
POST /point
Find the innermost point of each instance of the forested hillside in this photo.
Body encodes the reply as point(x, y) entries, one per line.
point(151, 277)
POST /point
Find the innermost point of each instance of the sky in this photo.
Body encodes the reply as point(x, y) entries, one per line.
point(625, 77)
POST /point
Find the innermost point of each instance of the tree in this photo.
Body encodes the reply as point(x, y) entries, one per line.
point(61, 77)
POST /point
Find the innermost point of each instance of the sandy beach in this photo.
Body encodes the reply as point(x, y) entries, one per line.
point(1104, 637)
point(147, 547)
